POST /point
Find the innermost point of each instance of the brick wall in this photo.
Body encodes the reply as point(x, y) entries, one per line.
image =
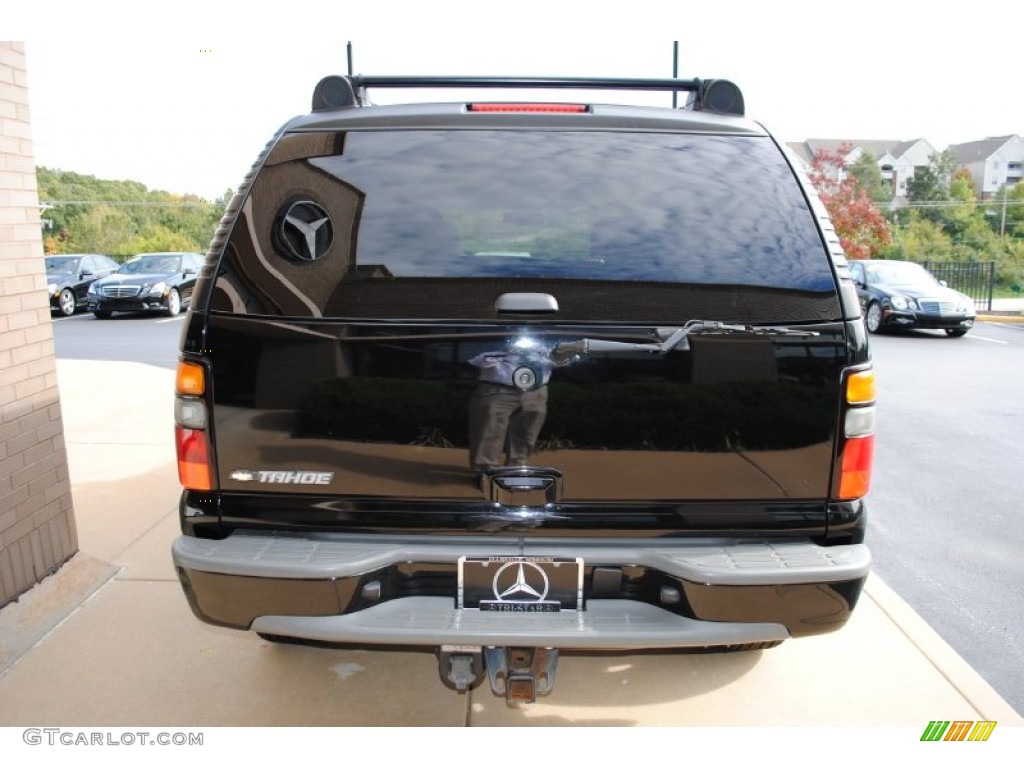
point(37, 524)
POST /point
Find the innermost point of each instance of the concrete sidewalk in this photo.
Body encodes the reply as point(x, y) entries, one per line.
point(109, 639)
point(1004, 311)
point(1008, 305)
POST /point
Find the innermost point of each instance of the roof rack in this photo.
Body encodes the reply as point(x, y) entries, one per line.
point(338, 91)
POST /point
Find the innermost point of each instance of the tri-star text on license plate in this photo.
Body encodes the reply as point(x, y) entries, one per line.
point(521, 584)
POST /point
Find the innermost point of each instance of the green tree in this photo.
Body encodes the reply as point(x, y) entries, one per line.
point(100, 229)
point(919, 239)
point(931, 183)
point(863, 231)
point(929, 189)
point(959, 216)
point(1005, 211)
point(868, 176)
point(122, 217)
point(157, 237)
point(974, 240)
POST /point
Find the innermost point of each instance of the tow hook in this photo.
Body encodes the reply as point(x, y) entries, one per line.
point(461, 666)
point(521, 674)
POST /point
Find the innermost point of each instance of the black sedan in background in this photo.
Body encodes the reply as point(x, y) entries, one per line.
point(69, 276)
point(150, 282)
point(902, 294)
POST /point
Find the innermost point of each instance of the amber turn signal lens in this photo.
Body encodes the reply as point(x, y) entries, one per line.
point(190, 379)
point(860, 387)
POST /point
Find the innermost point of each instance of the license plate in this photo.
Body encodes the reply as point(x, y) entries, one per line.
point(521, 584)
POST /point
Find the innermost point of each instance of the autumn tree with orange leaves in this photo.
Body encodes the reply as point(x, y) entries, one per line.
point(862, 229)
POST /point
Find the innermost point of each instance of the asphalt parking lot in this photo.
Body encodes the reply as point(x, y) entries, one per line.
point(943, 507)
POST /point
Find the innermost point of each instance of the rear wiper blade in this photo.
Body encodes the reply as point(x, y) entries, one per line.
point(672, 339)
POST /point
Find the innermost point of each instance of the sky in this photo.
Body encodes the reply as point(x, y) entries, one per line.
point(184, 98)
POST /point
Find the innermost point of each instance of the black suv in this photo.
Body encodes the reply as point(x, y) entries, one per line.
point(505, 378)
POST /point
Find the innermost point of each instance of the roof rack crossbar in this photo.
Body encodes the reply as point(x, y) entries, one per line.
point(595, 83)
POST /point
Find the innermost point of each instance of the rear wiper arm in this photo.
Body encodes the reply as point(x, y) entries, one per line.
point(674, 338)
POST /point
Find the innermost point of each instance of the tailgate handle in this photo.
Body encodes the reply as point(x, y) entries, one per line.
point(526, 302)
point(523, 486)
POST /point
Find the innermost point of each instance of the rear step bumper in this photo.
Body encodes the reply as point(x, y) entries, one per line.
point(604, 625)
point(712, 592)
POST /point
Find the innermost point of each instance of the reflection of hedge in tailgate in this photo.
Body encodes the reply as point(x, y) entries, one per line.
point(750, 415)
point(384, 410)
point(753, 415)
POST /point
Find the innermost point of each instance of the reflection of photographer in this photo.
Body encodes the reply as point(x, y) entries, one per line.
point(509, 405)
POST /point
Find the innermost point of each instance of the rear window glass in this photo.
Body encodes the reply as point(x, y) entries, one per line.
point(152, 264)
point(584, 207)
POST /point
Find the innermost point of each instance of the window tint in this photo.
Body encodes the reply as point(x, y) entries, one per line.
point(900, 273)
point(155, 264)
point(617, 226)
point(61, 264)
point(608, 206)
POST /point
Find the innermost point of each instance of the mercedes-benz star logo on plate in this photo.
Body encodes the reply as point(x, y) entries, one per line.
point(305, 231)
point(520, 582)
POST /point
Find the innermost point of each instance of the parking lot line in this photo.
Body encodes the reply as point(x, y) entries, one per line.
point(985, 338)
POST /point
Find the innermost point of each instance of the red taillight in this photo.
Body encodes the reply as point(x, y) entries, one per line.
point(193, 459)
point(512, 107)
point(190, 436)
point(857, 448)
point(855, 478)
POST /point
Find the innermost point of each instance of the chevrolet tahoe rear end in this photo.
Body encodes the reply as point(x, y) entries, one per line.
point(507, 381)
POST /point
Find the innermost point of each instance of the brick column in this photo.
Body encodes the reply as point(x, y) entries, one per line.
point(37, 523)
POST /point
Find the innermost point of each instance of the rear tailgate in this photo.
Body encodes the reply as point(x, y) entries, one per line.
point(461, 286)
point(385, 410)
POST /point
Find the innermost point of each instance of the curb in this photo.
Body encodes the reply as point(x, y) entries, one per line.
point(995, 317)
point(35, 613)
point(969, 683)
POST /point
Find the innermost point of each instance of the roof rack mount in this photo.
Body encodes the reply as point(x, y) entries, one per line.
point(337, 91)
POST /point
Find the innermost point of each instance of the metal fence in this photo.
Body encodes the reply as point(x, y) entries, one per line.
point(977, 279)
